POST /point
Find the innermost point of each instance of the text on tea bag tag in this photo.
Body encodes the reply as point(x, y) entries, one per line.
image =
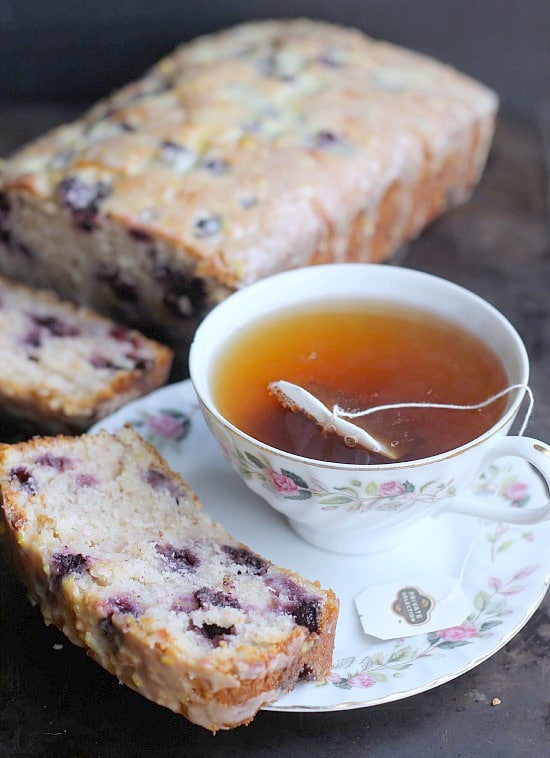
point(416, 606)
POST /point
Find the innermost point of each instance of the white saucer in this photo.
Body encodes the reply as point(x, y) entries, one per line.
point(505, 578)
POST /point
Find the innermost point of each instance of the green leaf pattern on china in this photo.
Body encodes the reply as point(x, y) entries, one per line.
point(491, 604)
point(355, 497)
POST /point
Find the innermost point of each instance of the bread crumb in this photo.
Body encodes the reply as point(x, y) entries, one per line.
point(496, 701)
point(57, 646)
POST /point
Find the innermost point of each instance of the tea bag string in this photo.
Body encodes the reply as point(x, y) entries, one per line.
point(338, 412)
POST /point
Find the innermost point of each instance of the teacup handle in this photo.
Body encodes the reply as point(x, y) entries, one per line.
point(529, 449)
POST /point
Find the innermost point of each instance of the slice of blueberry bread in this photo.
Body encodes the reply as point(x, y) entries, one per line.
point(65, 367)
point(115, 549)
point(268, 146)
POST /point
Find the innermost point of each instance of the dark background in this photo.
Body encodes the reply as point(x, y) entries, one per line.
point(57, 57)
point(74, 51)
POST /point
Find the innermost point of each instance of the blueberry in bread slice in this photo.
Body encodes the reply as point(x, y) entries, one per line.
point(65, 367)
point(115, 549)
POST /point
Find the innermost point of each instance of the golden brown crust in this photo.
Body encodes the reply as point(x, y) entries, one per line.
point(66, 367)
point(125, 617)
point(269, 146)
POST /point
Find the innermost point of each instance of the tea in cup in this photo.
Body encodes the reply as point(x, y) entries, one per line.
point(358, 336)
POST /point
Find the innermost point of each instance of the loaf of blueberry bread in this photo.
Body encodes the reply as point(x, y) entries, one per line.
point(115, 549)
point(63, 366)
point(268, 146)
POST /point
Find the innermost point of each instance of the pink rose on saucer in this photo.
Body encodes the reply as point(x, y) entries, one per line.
point(361, 680)
point(516, 491)
point(166, 426)
point(457, 633)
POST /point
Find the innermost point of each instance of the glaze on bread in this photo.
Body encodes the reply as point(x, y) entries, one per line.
point(268, 146)
point(114, 548)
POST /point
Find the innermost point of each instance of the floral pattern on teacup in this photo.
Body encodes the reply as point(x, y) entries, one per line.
point(503, 600)
point(355, 497)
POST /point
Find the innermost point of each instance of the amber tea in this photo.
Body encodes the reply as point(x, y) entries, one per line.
point(359, 356)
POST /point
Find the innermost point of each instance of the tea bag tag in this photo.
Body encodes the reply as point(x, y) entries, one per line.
point(418, 605)
point(415, 604)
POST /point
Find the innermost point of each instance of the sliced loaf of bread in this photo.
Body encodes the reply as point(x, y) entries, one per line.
point(116, 551)
point(65, 367)
point(260, 148)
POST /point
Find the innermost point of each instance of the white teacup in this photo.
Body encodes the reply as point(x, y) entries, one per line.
point(388, 496)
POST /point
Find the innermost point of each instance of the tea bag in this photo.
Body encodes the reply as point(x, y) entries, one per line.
point(298, 399)
point(334, 419)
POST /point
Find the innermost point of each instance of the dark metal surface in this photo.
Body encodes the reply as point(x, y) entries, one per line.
point(56, 702)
